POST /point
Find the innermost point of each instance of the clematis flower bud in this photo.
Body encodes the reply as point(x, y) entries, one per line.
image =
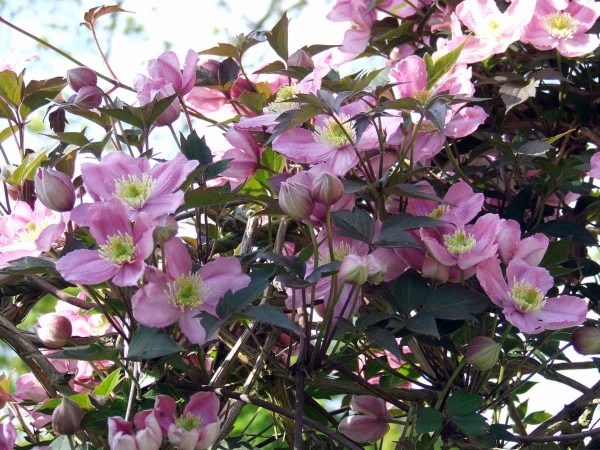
point(354, 269)
point(369, 423)
point(586, 340)
point(327, 189)
point(54, 189)
point(482, 352)
point(88, 97)
point(376, 269)
point(300, 58)
point(295, 200)
point(66, 418)
point(80, 77)
point(54, 330)
point(207, 72)
point(166, 229)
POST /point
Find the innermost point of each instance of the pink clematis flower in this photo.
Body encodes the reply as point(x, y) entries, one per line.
point(121, 252)
point(165, 80)
point(178, 295)
point(197, 428)
point(562, 25)
point(463, 248)
point(493, 31)
point(595, 163)
point(28, 232)
point(139, 187)
point(369, 423)
point(329, 143)
point(460, 204)
point(8, 435)
point(510, 245)
point(522, 297)
point(355, 39)
point(245, 155)
point(147, 437)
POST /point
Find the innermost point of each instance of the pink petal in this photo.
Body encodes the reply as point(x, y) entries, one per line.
point(562, 312)
point(152, 307)
point(129, 274)
point(578, 45)
point(342, 161)
point(179, 261)
point(369, 406)
point(189, 71)
point(466, 121)
point(165, 410)
point(222, 275)
point(537, 277)
point(299, 145)
point(492, 281)
point(85, 267)
point(193, 330)
point(532, 249)
point(205, 405)
point(437, 250)
point(169, 176)
point(361, 428)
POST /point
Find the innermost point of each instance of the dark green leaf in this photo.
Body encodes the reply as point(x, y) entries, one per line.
point(395, 237)
point(92, 352)
point(565, 228)
point(210, 171)
point(236, 302)
point(436, 113)
point(228, 71)
point(454, 302)
point(535, 418)
point(376, 317)
point(353, 186)
point(271, 315)
point(29, 265)
point(472, 424)
point(150, 343)
point(61, 443)
point(428, 420)
point(209, 323)
point(356, 224)
point(423, 323)
point(557, 253)
point(294, 118)
point(382, 338)
point(223, 49)
point(278, 37)
point(407, 292)
point(534, 148)
point(461, 404)
point(70, 137)
point(195, 148)
point(212, 196)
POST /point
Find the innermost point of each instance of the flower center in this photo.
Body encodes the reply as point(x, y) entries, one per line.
point(32, 231)
point(187, 291)
point(119, 249)
point(334, 134)
point(560, 25)
point(526, 297)
point(459, 243)
point(189, 422)
point(280, 104)
point(439, 211)
point(339, 252)
point(421, 96)
point(134, 192)
point(496, 25)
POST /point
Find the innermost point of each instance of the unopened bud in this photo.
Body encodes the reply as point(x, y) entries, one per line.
point(586, 340)
point(295, 200)
point(81, 77)
point(166, 229)
point(54, 189)
point(327, 189)
point(88, 97)
point(207, 72)
point(376, 268)
point(54, 330)
point(354, 269)
point(435, 271)
point(483, 352)
point(66, 418)
point(300, 58)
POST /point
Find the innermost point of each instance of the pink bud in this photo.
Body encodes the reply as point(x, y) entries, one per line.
point(80, 77)
point(482, 352)
point(207, 72)
point(354, 269)
point(66, 418)
point(295, 200)
point(88, 97)
point(586, 340)
point(54, 330)
point(166, 229)
point(370, 421)
point(377, 269)
point(300, 58)
point(435, 271)
point(327, 189)
point(54, 189)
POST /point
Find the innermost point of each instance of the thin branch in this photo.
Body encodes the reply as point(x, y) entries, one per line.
point(63, 296)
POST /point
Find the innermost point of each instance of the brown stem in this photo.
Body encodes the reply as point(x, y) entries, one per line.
point(63, 296)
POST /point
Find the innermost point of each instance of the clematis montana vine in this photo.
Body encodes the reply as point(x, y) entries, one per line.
point(178, 295)
point(522, 297)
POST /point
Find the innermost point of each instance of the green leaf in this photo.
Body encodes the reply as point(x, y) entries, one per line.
point(223, 49)
point(533, 148)
point(514, 94)
point(395, 238)
point(462, 404)
point(429, 420)
point(236, 302)
point(535, 418)
point(109, 384)
point(195, 148)
point(212, 196)
point(442, 65)
point(564, 228)
point(61, 443)
point(423, 323)
point(472, 424)
point(278, 37)
point(210, 171)
point(454, 302)
point(271, 315)
point(92, 352)
point(81, 399)
point(150, 343)
point(384, 339)
point(70, 137)
point(95, 421)
point(254, 100)
point(356, 224)
point(29, 265)
point(557, 253)
point(228, 71)
point(407, 292)
point(8, 131)
point(415, 191)
point(39, 93)
point(294, 118)
point(10, 87)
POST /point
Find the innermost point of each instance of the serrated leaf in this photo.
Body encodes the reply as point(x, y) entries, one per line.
point(70, 137)
point(195, 148)
point(95, 13)
point(356, 224)
point(442, 65)
point(236, 302)
point(271, 315)
point(150, 343)
point(223, 49)
point(39, 93)
point(428, 420)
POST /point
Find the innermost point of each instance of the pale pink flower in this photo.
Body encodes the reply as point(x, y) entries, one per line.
point(27, 232)
point(139, 187)
point(121, 252)
point(562, 25)
point(522, 297)
point(8, 435)
point(178, 295)
point(167, 79)
point(356, 38)
point(147, 437)
point(15, 61)
point(595, 163)
point(369, 422)
point(511, 246)
point(460, 205)
point(198, 426)
point(245, 155)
